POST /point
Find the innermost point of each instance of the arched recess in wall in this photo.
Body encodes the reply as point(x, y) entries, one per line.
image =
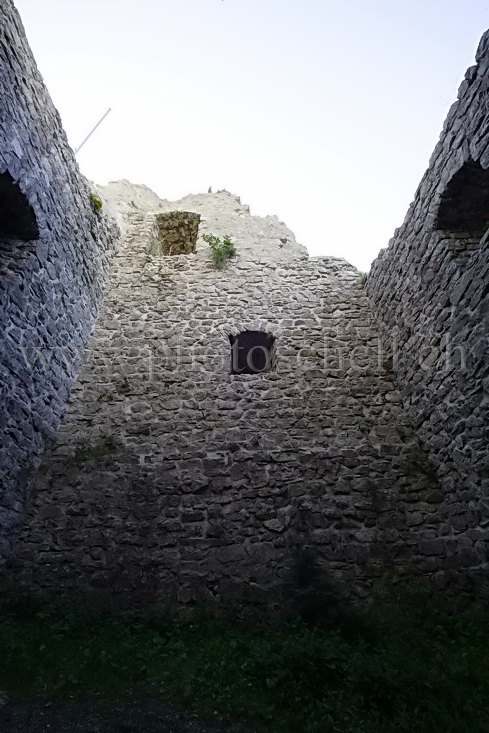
point(17, 218)
point(251, 352)
point(463, 213)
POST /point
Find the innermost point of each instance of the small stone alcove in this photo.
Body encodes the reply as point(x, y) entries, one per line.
point(176, 233)
point(463, 213)
point(17, 218)
point(251, 352)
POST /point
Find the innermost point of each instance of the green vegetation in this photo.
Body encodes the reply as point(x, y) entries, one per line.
point(96, 202)
point(403, 670)
point(221, 250)
point(88, 452)
point(362, 278)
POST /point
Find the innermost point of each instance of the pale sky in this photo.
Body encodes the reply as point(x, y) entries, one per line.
point(323, 112)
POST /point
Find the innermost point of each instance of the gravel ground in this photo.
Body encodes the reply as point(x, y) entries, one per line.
point(96, 715)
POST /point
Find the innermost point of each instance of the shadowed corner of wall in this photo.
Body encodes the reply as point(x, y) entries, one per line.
point(313, 593)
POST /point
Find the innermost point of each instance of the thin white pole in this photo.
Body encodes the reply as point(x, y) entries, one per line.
point(92, 131)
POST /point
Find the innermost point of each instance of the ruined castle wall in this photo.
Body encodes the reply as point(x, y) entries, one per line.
point(174, 480)
point(53, 254)
point(430, 291)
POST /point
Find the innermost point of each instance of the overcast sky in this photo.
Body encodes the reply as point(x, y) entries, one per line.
point(323, 112)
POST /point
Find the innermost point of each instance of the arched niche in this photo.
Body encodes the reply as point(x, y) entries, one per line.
point(464, 205)
point(17, 217)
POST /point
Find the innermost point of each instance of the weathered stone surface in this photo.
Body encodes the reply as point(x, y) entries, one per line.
point(174, 479)
point(175, 233)
point(54, 251)
point(430, 291)
point(196, 484)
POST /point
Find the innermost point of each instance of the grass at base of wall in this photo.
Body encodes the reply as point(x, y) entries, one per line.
point(404, 670)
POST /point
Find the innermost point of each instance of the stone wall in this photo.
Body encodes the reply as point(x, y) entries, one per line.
point(430, 291)
point(54, 250)
point(174, 480)
point(360, 451)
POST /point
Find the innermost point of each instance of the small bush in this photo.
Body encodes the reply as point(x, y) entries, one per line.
point(96, 202)
point(221, 250)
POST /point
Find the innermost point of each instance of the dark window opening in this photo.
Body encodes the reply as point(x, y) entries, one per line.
point(251, 352)
point(176, 233)
point(17, 217)
point(463, 214)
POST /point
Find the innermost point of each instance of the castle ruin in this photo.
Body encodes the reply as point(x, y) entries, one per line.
point(223, 420)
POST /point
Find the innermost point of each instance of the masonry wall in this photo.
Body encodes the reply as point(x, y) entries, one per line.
point(54, 250)
point(430, 291)
point(175, 481)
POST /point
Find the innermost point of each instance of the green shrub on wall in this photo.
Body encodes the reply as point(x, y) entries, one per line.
point(221, 250)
